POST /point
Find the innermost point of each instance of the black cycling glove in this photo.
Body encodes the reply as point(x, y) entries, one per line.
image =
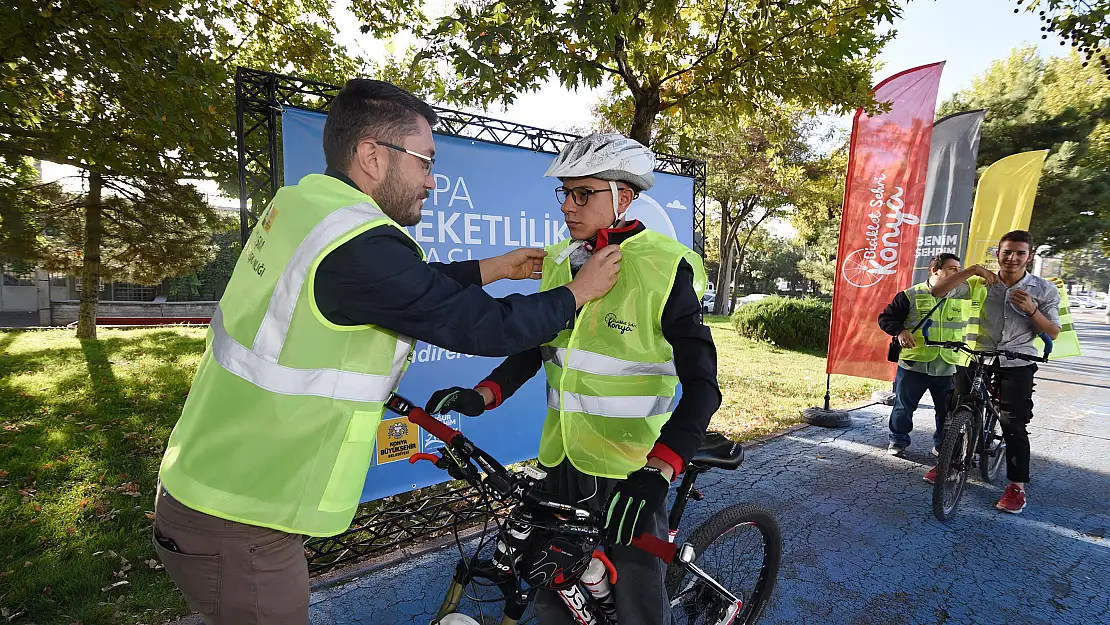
point(466, 401)
point(633, 502)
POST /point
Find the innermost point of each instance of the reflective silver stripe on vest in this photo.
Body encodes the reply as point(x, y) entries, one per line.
point(279, 314)
point(332, 383)
point(591, 362)
point(621, 407)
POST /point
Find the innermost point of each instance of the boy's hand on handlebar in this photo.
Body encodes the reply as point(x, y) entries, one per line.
point(905, 339)
point(633, 502)
point(463, 400)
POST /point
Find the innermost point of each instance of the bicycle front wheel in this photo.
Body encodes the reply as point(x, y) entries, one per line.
point(993, 454)
point(952, 466)
point(740, 547)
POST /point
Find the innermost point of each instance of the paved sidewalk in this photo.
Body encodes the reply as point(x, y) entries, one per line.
point(861, 545)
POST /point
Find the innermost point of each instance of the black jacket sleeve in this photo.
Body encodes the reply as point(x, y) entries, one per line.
point(514, 371)
point(893, 319)
point(465, 272)
point(378, 278)
point(695, 359)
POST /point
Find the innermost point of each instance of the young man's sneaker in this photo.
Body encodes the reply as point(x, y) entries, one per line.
point(934, 451)
point(1013, 500)
point(895, 449)
point(931, 476)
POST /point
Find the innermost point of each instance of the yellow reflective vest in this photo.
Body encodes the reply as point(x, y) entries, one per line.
point(279, 426)
point(611, 378)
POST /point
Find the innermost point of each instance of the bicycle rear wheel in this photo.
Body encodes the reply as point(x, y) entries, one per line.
point(952, 466)
point(993, 455)
point(740, 547)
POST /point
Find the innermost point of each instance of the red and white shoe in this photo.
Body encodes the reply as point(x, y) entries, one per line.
point(931, 476)
point(1013, 500)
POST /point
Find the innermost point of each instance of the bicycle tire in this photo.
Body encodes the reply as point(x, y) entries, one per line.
point(955, 455)
point(992, 457)
point(704, 536)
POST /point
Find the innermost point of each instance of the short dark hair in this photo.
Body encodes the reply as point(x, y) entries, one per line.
point(365, 107)
point(1017, 236)
point(938, 261)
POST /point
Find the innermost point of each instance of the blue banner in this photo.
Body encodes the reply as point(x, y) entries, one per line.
point(488, 199)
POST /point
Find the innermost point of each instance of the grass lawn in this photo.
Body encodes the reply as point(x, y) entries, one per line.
point(765, 388)
point(84, 424)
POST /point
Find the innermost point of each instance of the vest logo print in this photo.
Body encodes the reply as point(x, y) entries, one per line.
point(268, 220)
point(622, 326)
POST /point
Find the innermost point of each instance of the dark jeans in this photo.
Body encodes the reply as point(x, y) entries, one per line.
point(1015, 401)
point(909, 387)
point(640, 593)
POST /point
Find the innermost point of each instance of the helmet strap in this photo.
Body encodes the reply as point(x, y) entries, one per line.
point(617, 215)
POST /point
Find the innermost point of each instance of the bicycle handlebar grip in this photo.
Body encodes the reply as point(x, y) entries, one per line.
point(1047, 344)
point(657, 547)
point(433, 425)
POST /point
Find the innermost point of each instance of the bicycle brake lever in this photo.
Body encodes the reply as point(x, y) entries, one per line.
point(417, 457)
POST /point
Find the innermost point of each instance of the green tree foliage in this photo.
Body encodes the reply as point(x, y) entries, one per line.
point(1083, 23)
point(1089, 267)
point(138, 95)
point(769, 260)
point(689, 60)
point(1058, 105)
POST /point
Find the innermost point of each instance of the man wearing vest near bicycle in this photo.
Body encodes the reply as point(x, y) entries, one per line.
point(611, 440)
point(1007, 312)
point(314, 332)
point(921, 367)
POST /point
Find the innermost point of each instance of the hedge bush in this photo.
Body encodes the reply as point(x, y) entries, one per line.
point(787, 322)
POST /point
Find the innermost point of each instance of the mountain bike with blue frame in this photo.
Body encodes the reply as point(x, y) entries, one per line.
point(972, 432)
point(546, 543)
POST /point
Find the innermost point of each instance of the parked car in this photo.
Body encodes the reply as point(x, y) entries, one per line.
point(748, 299)
point(707, 302)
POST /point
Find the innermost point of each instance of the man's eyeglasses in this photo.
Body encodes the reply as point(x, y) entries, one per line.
point(581, 195)
point(428, 160)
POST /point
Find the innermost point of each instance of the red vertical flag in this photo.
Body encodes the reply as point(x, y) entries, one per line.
point(887, 166)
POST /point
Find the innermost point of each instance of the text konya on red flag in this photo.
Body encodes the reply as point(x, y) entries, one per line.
point(887, 167)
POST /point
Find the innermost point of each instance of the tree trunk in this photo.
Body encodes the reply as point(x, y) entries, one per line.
point(647, 107)
point(90, 270)
point(723, 292)
point(722, 254)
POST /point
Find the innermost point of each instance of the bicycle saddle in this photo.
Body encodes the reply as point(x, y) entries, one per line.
point(718, 451)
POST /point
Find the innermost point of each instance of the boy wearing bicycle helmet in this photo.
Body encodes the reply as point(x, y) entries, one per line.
point(1008, 310)
point(613, 438)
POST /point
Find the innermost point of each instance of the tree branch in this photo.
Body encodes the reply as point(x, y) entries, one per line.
point(712, 50)
point(667, 104)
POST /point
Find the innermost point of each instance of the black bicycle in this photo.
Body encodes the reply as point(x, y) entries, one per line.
point(547, 543)
point(972, 432)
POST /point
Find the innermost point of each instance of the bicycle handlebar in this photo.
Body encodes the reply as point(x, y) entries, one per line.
point(960, 346)
point(498, 479)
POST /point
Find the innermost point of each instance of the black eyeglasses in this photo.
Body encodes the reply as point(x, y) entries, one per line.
point(428, 160)
point(581, 195)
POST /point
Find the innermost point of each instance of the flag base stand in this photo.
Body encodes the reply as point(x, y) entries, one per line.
point(885, 398)
point(827, 417)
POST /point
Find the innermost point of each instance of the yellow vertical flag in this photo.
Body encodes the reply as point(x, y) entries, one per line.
point(1003, 202)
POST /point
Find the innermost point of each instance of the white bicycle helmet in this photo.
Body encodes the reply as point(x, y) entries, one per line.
point(608, 156)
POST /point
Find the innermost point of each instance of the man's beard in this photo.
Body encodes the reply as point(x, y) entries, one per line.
point(399, 200)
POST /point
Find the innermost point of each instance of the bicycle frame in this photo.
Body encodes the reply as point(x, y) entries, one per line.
point(982, 400)
point(459, 456)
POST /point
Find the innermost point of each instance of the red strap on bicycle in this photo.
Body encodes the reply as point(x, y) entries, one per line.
point(417, 457)
point(600, 555)
point(433, 425)
point(657, 547)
